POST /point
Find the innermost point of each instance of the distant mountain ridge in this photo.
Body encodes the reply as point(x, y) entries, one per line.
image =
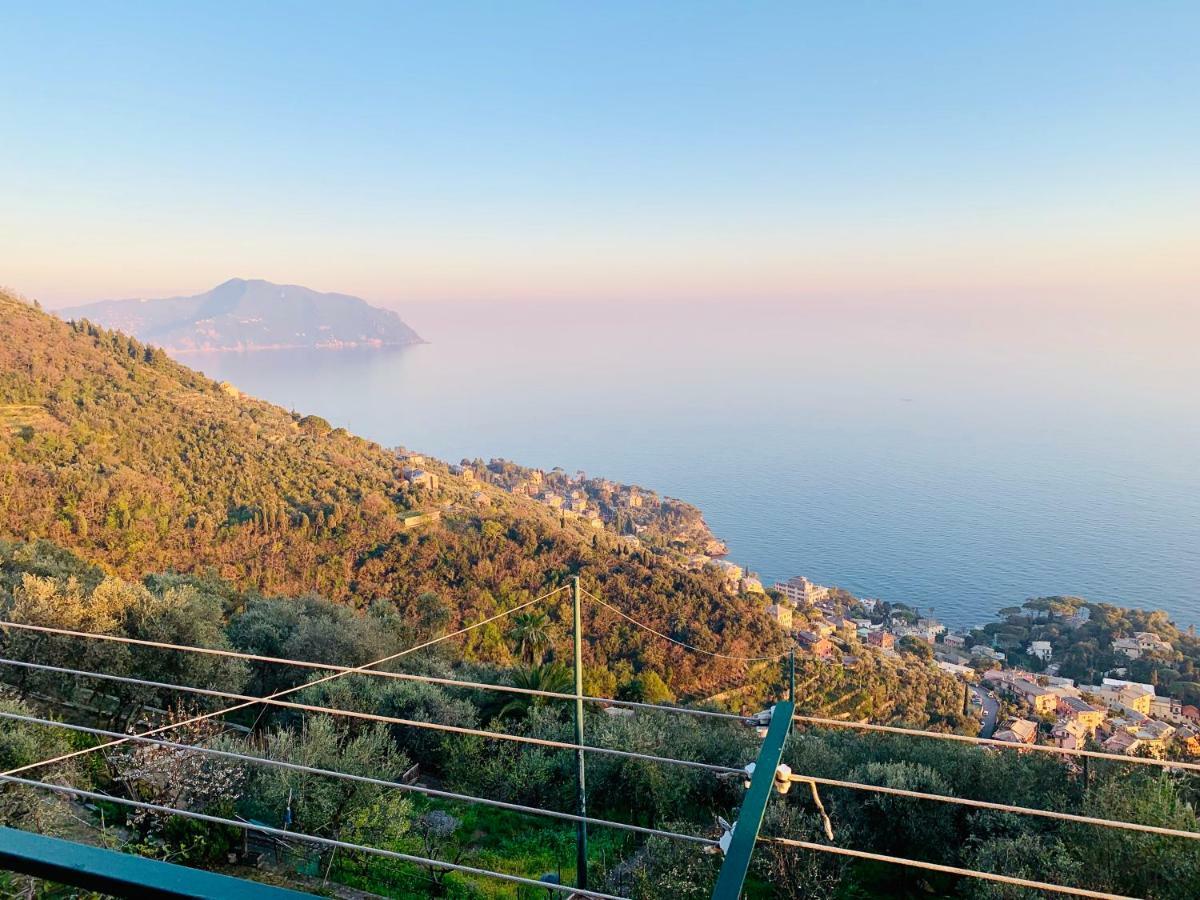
point(252, 314)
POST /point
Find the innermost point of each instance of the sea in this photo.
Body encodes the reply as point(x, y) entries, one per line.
point(956, 456)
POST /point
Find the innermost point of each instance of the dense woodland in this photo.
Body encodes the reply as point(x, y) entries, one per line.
point(138, 498)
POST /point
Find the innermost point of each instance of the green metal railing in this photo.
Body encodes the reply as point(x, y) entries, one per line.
point(745, 830)
point(122, 874)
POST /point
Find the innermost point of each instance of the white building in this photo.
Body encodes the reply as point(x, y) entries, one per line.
point(1040, 650)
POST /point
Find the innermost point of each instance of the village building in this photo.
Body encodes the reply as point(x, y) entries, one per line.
point(416, 519)
point(951, 639)
point(822, 627)
point(1121, 742)
point(1113, 692)
point(1040, 700)
point(954, 668)
point(1069, 734)
point(1078, 618)
point(781, 614)
point(1167, 709)
point(731, 571)
point(802, 591)
point(420, 478)
point(1017, 731)
point(1128, 646)
point(1077, 710)
point(816, 644)
point(982, 651)
point(1040, 650)
point(1187, 739)
point(884, 640)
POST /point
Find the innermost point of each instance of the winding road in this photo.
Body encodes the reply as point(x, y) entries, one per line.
point(991, 710)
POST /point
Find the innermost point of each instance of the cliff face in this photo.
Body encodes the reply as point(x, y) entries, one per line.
point(251, 315)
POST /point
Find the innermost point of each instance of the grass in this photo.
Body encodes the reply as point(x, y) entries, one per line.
point(498, 840)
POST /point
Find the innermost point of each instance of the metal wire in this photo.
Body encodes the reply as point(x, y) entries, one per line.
point(364, 779)
point(355, 714)
point(998, 807)
point(1004, 745)
point(309, 838)
point(220, 712)
point(667, 637)
point(949, 870)
point(403, 676)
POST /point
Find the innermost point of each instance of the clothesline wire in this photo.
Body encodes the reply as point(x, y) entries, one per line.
point(991, 742)
point(667, 637)
point(365, 716)
point(362, 779)
point(998, 807)
point(308, 838)
point(403, 676)
point(949, 870)
point(366, 666)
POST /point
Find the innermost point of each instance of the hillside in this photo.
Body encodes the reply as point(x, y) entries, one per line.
point(251, 315)
point(198, 516)
point(113, 450)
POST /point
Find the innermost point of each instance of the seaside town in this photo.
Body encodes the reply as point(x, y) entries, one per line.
point(1021, 675)
point(641, 519)
point(1018, 691)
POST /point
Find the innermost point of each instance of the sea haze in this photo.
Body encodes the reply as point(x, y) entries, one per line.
point(951, 458)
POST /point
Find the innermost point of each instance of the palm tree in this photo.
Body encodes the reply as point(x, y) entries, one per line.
point(554, 677)
point(531, 634)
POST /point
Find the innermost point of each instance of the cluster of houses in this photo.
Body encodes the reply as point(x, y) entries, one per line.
point(1143, 643)
point(1120, 716)
point(415, 473)
point(828, 623)
point(1117, 715)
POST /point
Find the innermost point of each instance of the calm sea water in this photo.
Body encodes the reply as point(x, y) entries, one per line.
point(953, 459)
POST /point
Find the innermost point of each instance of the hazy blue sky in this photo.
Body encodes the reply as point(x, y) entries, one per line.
point(604, 150)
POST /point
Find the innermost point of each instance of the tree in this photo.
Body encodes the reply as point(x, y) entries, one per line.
point(437, 829)
point(531, 635)
point(21, 744)
point(647, 688)
point(184, 780)
point(330, 807)
point(553, 677)
point(315, 425)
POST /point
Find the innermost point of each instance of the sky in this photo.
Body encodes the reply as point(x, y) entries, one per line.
point(627, 151)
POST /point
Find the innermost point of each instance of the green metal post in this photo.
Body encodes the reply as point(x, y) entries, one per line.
point(581, 853)
point(754, 807)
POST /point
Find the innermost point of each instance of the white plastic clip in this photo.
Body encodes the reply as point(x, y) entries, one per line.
point(749, 770)
point(783, 778)
point(726, 834)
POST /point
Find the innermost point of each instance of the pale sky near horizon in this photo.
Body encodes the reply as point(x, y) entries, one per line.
point(990, 153)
